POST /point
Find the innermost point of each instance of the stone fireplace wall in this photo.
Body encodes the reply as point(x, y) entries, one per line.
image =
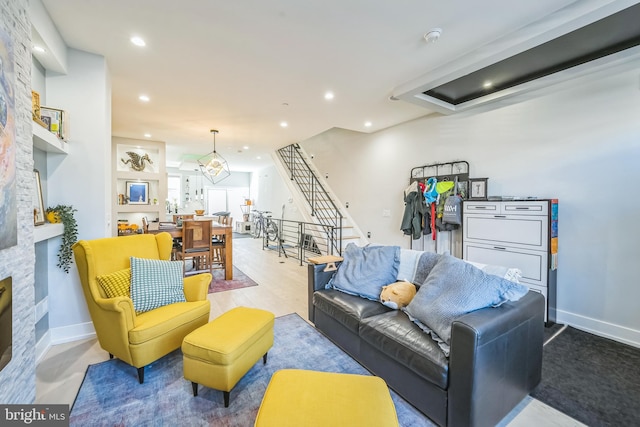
point(17, 379)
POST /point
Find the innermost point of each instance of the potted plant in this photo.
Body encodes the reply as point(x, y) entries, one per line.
point(64, 214)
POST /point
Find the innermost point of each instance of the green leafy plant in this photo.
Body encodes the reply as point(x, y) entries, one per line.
point(64, 214)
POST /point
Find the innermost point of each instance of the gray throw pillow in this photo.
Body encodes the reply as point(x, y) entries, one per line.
point(453, 288)
point(365, 270)
point(155, 283)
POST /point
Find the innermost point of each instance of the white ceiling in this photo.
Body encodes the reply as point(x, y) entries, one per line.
point(244, 66)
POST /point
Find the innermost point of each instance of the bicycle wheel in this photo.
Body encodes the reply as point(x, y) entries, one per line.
point(271, 231)
point(257, 228)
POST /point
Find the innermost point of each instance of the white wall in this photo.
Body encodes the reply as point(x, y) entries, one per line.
point(580, 144)
point(270, 193)
point(81, 179)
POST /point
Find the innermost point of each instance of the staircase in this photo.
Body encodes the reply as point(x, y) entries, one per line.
point(323, 209)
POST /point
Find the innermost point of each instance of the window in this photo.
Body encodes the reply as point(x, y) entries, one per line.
point(173, 189)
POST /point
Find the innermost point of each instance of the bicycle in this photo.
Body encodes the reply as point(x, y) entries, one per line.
point(263, 224)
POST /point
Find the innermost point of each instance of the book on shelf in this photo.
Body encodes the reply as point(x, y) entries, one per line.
point(57, 120)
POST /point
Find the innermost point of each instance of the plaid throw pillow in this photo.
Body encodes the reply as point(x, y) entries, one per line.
point(155, 283)
point(116, 284)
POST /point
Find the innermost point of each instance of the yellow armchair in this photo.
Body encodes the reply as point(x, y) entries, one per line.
point(137, 339)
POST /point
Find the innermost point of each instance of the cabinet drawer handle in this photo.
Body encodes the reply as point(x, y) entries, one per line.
point(526, 208)
point(479, 207)
point(499, 216)
point(499, 248)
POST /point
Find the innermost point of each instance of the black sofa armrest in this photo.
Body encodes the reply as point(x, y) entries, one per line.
point(495, 360)
point(317, 279)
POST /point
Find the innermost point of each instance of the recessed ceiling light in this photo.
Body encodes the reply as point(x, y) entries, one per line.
point(40, 49)
point(246, 147)
point(328, 96)
point(147, 135)
point(487, 85)
point(258, 157)
point(143, 98)
point(367, 124)
point(138, 41)
point(284, 124)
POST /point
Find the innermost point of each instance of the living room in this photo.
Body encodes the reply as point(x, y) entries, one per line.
point(569, 141)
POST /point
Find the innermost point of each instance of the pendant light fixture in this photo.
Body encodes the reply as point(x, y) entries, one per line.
point(213, 166)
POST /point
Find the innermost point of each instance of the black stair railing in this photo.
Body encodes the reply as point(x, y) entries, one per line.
point(322, 207)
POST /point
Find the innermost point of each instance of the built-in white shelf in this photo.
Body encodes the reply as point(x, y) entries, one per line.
point(138, 176)
point(47, 231)
point(47, 141)
point(139, 208)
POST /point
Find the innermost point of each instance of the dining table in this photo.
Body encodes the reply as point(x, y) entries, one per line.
point(217, 229)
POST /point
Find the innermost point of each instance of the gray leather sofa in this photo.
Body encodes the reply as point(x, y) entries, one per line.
point(495, 358)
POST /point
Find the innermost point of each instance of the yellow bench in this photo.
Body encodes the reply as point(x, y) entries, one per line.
point(318, 399)
point(221, 352)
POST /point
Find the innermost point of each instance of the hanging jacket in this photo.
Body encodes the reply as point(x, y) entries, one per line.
point(414, 210)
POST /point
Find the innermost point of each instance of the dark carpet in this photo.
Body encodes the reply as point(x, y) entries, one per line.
point(592, 379)
point(550, 331)
point(240, 280)
point(110, 394)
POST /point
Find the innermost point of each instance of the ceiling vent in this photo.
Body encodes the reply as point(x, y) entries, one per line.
point(602, 43)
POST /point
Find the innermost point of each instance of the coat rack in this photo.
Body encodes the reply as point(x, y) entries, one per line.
point(448, 171)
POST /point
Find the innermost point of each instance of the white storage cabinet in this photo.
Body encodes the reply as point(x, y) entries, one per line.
point(518, 234)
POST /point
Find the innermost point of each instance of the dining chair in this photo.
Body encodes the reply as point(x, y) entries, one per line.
point(182, 217)
point(196, 245)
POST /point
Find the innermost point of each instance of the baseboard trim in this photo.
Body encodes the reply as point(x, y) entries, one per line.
point(79, 331)
point(598, 327)
point(42, 346)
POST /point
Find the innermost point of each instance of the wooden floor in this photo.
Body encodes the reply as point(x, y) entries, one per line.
point(282, 289)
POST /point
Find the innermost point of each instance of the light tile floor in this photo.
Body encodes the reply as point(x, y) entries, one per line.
point(282, 289)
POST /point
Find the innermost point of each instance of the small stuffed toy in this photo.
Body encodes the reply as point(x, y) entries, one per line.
point(398, 295)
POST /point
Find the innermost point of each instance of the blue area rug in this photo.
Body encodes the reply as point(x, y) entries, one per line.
point(110, 394)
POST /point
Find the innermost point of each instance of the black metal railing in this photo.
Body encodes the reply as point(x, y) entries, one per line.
point(322, 207)
point(300, 240)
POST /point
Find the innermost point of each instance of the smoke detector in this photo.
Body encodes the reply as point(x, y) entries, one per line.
point(433, 35)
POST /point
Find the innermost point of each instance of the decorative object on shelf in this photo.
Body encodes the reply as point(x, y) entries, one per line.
point(138, 192)
point(213, 166)
point(38, 203)
point(126, 229)
point(64, 214)
point(478, 188)
point(136, 161)
point(35, 109)
point(57, 121)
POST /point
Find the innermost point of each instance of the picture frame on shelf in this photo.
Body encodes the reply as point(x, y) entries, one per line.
point(35, 109)
point(138, 192)
point(478, 188)
point(38, 202)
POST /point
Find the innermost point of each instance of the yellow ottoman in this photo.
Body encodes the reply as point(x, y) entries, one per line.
point(318, 399)
point(219, 353)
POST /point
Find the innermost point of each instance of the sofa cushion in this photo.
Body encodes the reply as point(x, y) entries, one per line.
point(346, 309)
point(116, 284)
point(415, 266)
point(454, 288)
point(155, 283)
point(395, 335)
point(365, 270)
